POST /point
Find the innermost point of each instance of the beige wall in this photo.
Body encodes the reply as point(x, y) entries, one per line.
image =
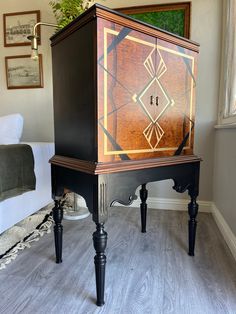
point(224, 195)
point(34, 104)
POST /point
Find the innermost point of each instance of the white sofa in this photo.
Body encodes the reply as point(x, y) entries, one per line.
point(15, 209)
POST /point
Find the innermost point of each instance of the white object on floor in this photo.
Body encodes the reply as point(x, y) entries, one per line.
point(74, 207)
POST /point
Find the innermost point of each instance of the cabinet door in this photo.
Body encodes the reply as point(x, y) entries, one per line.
point(175, 79)
point(139, 111)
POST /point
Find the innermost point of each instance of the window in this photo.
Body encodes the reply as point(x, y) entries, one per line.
point(227, 112)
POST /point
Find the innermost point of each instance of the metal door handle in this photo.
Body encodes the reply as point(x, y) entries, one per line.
point(151, 100)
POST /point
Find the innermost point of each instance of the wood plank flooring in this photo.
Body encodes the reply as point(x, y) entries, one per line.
point(146, 273)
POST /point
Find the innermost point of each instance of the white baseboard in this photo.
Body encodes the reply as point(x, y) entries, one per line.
point(225, 230)
point(204, 206)
point(173, 204)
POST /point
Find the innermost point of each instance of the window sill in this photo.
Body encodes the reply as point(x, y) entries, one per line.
point(226, 126)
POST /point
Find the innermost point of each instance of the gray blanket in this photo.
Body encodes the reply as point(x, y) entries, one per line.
point(16, 170)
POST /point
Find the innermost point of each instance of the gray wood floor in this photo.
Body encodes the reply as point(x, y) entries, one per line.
point(146, 273)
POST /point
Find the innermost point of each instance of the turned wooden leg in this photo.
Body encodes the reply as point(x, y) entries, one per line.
point(192, 224)
point(100, 242)
point(143, 207)
point(58, 230)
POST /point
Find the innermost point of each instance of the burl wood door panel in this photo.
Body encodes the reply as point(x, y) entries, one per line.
point(145, 95)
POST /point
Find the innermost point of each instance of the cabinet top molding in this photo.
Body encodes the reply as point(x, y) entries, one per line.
point(98, 10)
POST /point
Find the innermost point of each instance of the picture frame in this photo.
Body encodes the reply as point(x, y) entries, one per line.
point(23, 72)
point(17, 26)
point(172, 17)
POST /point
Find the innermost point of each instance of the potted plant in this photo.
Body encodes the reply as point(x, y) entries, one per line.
point(66, 11)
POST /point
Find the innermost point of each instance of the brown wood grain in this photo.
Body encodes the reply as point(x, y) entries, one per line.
point(119, 166)
point(115, 90)
point(123, 76)
point(147, 29)
point(100, 11)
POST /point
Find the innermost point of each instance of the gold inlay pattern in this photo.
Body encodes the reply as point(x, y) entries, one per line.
point(153, 129)
point(153, 134)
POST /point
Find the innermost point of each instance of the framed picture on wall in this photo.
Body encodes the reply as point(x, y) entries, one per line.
point(173, 17)
point(17, 26)
point(24, 72)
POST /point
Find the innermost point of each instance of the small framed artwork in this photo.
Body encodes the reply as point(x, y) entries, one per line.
point(17, 26)
point(173, 17)
point(24, 72)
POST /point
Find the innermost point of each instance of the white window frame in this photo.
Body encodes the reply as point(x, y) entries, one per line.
point(227, 95)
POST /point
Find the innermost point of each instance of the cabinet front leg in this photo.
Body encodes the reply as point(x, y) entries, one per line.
point(143, 207)
point(100, 243)
point(192, 223)
point(58, 230)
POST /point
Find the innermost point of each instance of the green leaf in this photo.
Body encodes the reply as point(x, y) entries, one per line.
point(66, 11)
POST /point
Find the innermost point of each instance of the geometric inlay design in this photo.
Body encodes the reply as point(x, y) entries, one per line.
point(153, 133)
point(151, 62)
point(154, 87)
point(154, 99)
point(161, 69)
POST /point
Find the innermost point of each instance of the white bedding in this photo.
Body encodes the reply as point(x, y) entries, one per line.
point(15, 209)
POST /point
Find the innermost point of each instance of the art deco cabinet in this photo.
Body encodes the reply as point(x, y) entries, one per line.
point(124, 104)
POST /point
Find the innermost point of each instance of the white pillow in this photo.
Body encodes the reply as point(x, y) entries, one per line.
point(11, 127)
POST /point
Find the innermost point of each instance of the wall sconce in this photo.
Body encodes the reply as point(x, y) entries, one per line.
point(34, 39)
